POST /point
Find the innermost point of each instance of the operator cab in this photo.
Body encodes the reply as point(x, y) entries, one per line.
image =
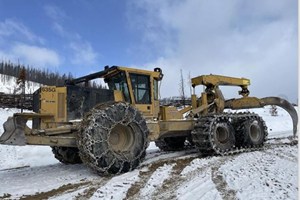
point(137, 87)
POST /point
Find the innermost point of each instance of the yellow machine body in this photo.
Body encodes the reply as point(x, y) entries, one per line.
point(163, 121)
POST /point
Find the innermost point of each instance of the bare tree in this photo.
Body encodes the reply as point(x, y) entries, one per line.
point(21, 82)
point(182, 88)
point(190, 83)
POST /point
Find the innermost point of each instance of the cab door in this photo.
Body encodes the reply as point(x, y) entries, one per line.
point(142, 93)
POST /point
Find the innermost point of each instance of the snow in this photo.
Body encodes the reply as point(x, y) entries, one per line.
point(30, 171)
point(19, 156)
point(156, 180)
point(275, 175)
point(8, 85)
point(117, 187)
point(200, 182)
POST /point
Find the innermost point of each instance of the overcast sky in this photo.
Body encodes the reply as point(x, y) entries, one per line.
point(255, 39)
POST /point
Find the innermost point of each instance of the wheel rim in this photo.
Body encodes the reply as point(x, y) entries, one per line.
point(255, 132)
point(222, 134)
point(121, 138)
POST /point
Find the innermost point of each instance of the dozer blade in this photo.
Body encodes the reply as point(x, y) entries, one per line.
point(14, 131)
point(287, 106)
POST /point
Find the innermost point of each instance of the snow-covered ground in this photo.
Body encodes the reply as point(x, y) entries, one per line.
point(32, 172)
point(8, 85)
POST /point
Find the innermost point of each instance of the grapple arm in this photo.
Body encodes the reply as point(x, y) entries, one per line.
point(253, 102)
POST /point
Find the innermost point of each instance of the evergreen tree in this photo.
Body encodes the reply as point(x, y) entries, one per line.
point(42, 76)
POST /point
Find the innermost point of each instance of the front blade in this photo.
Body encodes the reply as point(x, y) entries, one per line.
point(14, 131)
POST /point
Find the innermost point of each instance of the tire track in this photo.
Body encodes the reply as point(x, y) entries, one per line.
point(55, 192)
point(135, 190)
point(168, 189)
point(220, 182)
point(91, 189)
point(181, 175)
point(282, 154)
point(169, 186)
point(89, 186)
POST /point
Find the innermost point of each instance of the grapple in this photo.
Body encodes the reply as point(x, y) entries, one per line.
point(253, 102)
point(287, 106)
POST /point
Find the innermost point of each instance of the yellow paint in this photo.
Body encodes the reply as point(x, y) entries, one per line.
point(53, 101)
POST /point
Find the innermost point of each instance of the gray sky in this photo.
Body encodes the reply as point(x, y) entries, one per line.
point(255, 39)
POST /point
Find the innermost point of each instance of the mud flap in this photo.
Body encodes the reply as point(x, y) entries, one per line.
point(14, 131)
point(287, 106)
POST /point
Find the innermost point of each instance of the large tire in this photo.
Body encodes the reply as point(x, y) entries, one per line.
point(222, 135)
point(171, 143)
point(214, 133)
point(113, 138)
point(253, 132)
point(67, 155)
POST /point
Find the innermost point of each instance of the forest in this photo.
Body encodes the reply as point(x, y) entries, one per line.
point(38, 75)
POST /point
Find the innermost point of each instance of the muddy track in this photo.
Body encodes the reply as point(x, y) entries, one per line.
point(173, 182)
point(218, 179)
point(181, 168)
point(91, 189)
point(176, 179)
point(212, 165)
point(56, 192)
point(179, 164)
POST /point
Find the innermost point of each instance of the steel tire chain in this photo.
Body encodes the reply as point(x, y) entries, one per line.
point(202, 133)
point(92, 124)
point(239, 125)
point(66, 155)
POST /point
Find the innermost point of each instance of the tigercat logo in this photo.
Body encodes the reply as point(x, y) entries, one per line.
point(48, 89)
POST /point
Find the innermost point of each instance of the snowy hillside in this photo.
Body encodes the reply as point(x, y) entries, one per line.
point(8, 85)
point(32, 172)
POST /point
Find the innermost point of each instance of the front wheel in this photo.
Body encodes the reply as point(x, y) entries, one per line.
point(113, 138)
point(67, 155)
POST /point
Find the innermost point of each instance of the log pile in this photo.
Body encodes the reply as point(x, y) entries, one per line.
point(16, 101)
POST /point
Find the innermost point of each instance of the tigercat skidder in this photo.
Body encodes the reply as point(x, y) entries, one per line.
point(109, 129)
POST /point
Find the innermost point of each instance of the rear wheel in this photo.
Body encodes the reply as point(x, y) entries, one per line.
point(67, 155)
point(171, 143)
point(222, 135)
point(254, 132)
point(113, 138)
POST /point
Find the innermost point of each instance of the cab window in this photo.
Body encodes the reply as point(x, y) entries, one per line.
point(119, 82)
point(141, 88)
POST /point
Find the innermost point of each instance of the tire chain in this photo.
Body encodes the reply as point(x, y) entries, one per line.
point(66, 155)
point(202, 133)
point(91, 119)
